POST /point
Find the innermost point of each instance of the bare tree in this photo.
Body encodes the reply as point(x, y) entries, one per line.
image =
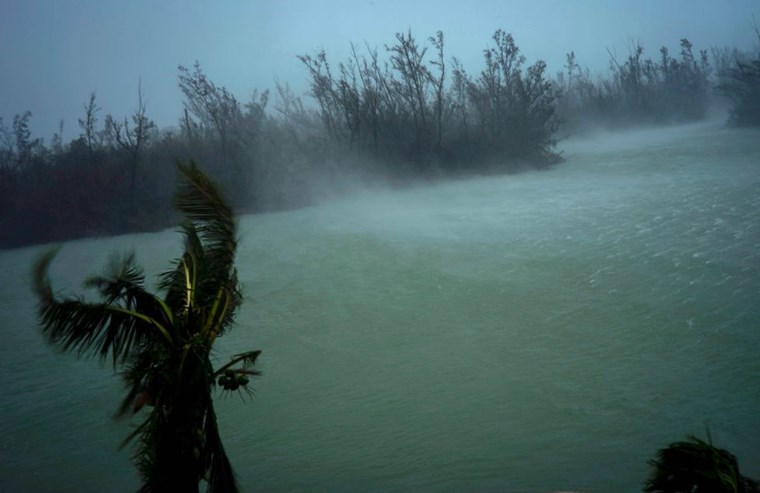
point(460, 84)
point(87, 125)
point(370, 93)
point(7, 154)
point(132, 139)
point(214, 107)
point(408, 59)
point(323, 89)
point(57, 140)
point(438, 84)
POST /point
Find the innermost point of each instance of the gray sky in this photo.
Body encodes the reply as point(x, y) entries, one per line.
point(53, 53)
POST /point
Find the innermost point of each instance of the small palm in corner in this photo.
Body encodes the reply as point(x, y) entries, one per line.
point(164, 343)
point(695, 466)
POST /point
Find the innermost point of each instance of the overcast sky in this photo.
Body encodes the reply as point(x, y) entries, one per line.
point(53, 53)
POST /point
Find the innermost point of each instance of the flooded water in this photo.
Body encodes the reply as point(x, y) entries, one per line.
point(536, 332)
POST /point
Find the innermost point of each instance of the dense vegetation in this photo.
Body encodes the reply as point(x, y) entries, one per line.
point(402, 112)
point(406, 111)
point(164, 344)
point(743, 88)
point(640, 90)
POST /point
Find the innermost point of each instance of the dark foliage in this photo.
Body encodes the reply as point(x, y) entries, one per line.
point(742, 88)
point(164, 344)
point(400, 110)
point(694, 465)
point(640, 90)
point(405, 111)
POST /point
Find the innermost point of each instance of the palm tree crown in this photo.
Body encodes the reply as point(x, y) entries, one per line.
point(694, 465)
point(164, 343)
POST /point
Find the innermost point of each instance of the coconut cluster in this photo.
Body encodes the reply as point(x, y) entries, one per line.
point(232, 381)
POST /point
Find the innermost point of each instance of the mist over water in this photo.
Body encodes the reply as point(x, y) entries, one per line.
point(534, 332)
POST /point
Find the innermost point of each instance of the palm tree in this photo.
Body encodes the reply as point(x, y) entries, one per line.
point(164, 344)
point(694, 465)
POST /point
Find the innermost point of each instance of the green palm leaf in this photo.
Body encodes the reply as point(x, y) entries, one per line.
point(100, 328)
point(165, 343)
point(201, 203)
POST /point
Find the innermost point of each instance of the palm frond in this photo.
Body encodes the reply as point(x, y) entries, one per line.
point(210, 244)
point(694, 465)
point(164, 343)
point(121, 277)
point(40, 278)
point(173, 282)
point(97, 328)
point(143, 380)
point(221, 477)
point(122, 282)
point(139, 430)
point(201, 203)
point(248, 359)
point(223, 306)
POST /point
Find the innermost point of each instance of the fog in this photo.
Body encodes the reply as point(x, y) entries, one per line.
point(57, 53)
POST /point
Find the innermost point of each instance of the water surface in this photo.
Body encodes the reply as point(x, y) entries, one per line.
point(542, 331)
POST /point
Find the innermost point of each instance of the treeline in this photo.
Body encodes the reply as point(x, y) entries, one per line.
point(639, 89)
point(401, 117)
point(740, 84)
point(118, 174)
point(666, 90)
point(403, 112)
point(742, 87)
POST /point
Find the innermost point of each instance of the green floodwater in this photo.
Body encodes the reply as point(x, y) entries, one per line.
point(536, 332)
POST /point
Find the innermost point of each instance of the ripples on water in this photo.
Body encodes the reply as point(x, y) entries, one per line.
point(542, 331)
